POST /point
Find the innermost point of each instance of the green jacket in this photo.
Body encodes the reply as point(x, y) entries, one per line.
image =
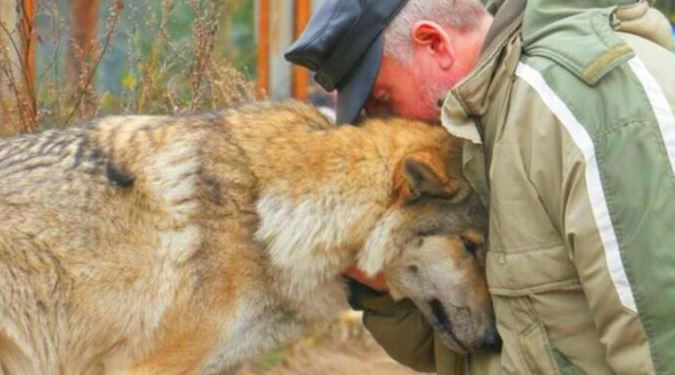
point(573, 151)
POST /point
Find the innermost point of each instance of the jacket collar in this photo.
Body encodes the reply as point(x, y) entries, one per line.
point(501, 52)
point(577, 35)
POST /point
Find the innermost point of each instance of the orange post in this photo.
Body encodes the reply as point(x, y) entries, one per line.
point(28, 16)
point(300, 74)
point(84, 28)
point(28, 9)
point(262, 83)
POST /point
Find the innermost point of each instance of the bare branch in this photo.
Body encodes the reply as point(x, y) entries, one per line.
point(117, 7)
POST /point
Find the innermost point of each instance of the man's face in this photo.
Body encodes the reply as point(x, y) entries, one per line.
point(406, 90)
point(440, 58)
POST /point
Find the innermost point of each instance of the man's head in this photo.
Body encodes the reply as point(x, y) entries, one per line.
point(429, 47)
point(400, 60)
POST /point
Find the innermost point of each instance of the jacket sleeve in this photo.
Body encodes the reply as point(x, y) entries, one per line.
point(615, 204)
point(605, 172)
point(398, 327)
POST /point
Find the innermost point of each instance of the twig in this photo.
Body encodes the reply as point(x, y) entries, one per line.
point(28, 14)
point(10, 38)
point(110, 28)
point(18, 96)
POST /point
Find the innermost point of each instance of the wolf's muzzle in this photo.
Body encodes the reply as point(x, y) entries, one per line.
point(444, 323)
point(491, 341)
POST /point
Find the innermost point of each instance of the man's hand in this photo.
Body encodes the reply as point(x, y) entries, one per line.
point(379, 282)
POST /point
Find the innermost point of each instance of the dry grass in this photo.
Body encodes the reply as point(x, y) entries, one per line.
point(176, 77)
point(173, 77)
point(17, 96)
point(344, 347)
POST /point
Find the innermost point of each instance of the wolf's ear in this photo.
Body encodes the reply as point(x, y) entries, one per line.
point(425, 175)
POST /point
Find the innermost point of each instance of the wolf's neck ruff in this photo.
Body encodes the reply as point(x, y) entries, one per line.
point(304, 236)
point(304, 213)
point(308, 203)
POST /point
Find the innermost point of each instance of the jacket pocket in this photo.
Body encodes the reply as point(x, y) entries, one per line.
point(520, 280)
point(536, 350)
point(566, 367)
point(522, 272)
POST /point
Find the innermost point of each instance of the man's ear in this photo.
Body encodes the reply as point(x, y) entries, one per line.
point(433, 38)
point(424, 174)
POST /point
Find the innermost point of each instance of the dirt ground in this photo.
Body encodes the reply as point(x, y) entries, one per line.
point(344, 348)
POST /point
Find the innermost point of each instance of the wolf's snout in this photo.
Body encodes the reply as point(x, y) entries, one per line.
point(486, 341)
point(492, 342)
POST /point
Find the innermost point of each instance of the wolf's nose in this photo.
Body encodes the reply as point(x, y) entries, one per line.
point(492, 342)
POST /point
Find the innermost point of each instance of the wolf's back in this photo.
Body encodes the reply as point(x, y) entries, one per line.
point(86, 213)
point(101, 225)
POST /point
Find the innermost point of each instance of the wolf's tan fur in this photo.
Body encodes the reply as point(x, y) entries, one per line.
point(157, 245)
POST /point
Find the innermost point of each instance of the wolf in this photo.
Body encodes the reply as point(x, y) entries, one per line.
point(187, 244)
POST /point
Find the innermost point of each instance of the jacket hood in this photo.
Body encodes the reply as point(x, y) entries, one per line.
point(580, 35)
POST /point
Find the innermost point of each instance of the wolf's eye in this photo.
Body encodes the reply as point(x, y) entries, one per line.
point(413, 268)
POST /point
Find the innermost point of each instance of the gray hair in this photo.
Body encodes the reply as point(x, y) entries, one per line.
point(461, 15)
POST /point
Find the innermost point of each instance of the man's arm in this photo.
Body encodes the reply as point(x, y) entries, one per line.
point(377, 283)
point(614, 229)
point(610, 191)
point(398, 327)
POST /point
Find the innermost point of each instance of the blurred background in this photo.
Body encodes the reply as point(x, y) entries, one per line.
point(63, 61)
point(66, 60)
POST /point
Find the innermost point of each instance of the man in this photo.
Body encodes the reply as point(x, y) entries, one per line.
point(566, 109)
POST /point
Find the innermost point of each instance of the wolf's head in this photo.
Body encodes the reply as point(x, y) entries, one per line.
point(388, 195)
point(430, 245)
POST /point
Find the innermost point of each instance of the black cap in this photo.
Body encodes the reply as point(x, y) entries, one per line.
point(343, 46)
